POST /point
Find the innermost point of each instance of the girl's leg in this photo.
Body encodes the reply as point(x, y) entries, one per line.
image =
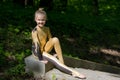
point(54, 42)
point(62, 67)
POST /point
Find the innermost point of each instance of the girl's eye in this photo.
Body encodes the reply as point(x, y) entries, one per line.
point(41, 19)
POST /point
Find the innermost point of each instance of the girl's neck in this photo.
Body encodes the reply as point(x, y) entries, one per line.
point(40, 26)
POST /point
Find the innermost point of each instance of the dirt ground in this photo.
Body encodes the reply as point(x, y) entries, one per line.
point(55, 74)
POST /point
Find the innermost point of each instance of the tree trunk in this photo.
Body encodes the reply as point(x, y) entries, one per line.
point(28, 2)
point(20, 2)
point(64, 4)
point(95, 7)
point(48, 4)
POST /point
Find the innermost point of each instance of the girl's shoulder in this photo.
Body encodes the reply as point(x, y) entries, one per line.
point(47, 28)
point(35, 29)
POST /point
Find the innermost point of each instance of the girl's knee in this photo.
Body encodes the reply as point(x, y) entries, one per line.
point(55, 39)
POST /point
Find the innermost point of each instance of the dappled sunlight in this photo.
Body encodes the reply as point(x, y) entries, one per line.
point(111, 52)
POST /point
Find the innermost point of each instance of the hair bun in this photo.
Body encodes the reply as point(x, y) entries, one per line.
point(41, 9)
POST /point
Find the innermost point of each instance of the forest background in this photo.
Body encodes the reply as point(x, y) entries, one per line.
point(84, 28)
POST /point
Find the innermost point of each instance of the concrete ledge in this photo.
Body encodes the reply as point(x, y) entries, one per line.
point(90, 65)
point(48, 66)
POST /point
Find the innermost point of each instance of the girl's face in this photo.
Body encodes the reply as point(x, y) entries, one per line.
point(40, 20)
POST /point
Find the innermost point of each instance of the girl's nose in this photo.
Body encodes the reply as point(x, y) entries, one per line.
point(39, 21)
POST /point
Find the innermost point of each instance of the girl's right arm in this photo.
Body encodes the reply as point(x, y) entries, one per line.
point(36, 45)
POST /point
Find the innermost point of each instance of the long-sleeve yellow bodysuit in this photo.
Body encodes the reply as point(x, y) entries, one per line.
point(43, 41)
point(42, 45)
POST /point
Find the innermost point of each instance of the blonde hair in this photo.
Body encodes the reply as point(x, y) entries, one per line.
point(41, 11)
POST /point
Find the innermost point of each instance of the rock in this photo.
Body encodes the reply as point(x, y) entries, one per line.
point(56, 74)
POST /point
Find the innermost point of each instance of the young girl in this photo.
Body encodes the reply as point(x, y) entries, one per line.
point(43, 43)
point(42, 39)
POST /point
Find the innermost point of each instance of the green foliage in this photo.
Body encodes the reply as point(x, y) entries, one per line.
point(17, 70)
point(76, 26)
point(53, 77)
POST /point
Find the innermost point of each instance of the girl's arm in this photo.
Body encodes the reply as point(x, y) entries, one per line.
point(49, 33)
point(36, 45)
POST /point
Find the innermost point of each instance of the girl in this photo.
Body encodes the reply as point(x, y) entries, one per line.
point(43, 43)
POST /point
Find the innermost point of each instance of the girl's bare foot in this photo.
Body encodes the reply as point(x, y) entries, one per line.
point(78, 75)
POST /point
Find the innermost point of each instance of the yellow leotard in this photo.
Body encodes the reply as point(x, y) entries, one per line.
point(43, 35)
point(43, 42)
point(40, 36)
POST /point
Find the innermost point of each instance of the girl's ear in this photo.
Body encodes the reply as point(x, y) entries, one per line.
point(35, 19)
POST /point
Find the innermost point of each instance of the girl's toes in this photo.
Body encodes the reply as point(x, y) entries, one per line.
point(80, 76)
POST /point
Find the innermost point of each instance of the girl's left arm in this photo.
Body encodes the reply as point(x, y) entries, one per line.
point(49, 33)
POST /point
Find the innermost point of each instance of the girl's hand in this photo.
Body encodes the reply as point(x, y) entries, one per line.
point(44, 61)
point(55, 55)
